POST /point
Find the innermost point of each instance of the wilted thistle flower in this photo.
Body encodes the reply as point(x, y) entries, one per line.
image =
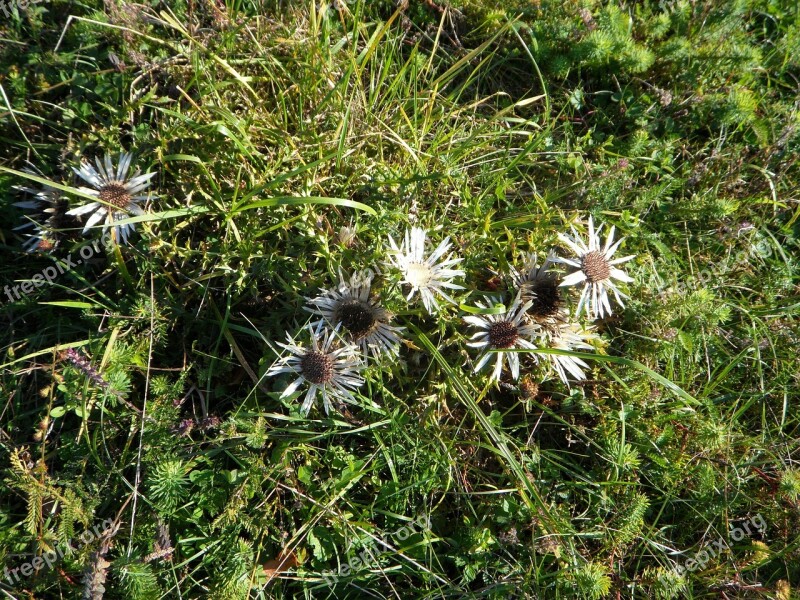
point(506, 331)
point(596, 269)
point(346, 236)
point(328, 366)
point(540, 285)
point(430, 275)
point(569, 337)
point(46, 215)
point(350, 310)
point(118, 196)
point(528, 388)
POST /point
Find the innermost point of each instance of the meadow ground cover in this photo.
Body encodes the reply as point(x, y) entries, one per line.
point(425, 299)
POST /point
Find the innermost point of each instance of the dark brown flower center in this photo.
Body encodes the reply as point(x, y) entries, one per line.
point(317, 367)
point(503, 334)
point(357, 317)
point(545, 297)
point(115, 194)
point(595, 266)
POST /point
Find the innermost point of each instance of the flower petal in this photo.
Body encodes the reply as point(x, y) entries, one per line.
point(573, 279)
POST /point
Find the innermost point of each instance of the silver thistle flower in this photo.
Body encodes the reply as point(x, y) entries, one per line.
point(596, 268)
point(350, 310)
point(500, 332)
point(118, 196)
point(328, 366)
point(430, 275)
point(541, 285)
point(46, 214)
point(569, 337)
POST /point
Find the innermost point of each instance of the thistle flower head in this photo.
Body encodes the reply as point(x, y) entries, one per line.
point(328, 365)
point(540, 285)
point(118, 196)
point(570, 337)
point(426, 274)
point(46, 215)
point(596, 269)
point(351, 310)
point(504, 331)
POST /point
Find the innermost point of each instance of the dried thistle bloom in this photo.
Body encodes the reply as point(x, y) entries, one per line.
point(429, 275)
point(570, 337)
point(541, 285)
point(346, 236)
point(46, 216)
point(350, 310)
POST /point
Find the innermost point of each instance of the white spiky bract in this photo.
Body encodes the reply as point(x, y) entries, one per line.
point(570, 337)
point(540, 284)
point(531, 272)
point(373, 333)
point(41, 205)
